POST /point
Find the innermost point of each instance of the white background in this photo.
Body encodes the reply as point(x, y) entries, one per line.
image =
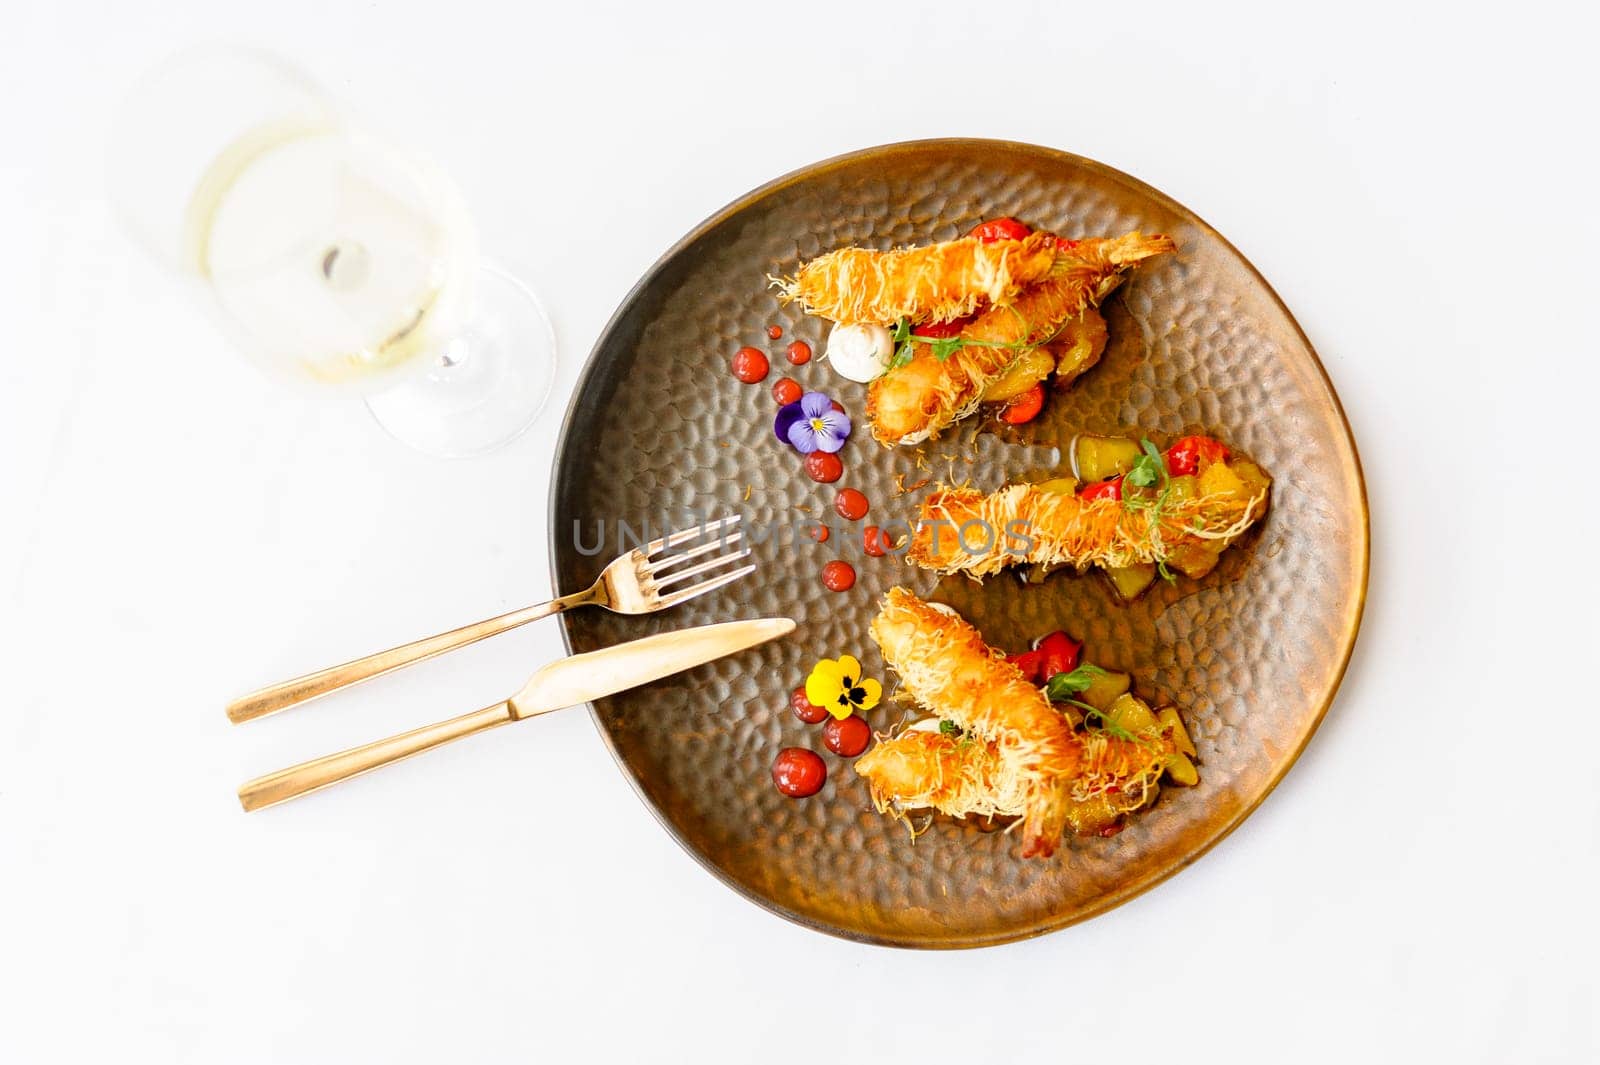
point(1418, 184)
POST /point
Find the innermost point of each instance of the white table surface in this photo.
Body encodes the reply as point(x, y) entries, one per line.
point(1417, 184)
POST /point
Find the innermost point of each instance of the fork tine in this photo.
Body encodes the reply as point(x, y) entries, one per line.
point(685, 535)
point(692, 571)
point(710, 545)
point(706, 586)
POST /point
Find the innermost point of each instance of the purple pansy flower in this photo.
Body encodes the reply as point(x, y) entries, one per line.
point(788, 414)
point(819, 427)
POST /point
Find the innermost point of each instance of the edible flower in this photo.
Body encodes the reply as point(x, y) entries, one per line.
point(812, 424)
point(838, 687)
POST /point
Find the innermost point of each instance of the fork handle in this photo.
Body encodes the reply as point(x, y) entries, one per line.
point(320, 772)
point(280, 696)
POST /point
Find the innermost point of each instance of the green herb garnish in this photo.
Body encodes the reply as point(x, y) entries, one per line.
point(905, 341)
point(949, 728)
point(1063, 686)
point(902, 344)
point(1150, 470)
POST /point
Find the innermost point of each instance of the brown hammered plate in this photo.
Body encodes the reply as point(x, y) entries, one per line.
point(659, 429)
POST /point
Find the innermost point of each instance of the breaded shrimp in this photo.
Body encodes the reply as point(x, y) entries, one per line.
point(965, 777)
point(936, 283)
point(945, 666)
point(962, 530)
point(1019, 755)
point(919, 770)
point(913, 402)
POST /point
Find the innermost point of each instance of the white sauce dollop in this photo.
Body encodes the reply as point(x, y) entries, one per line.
point(860, 352)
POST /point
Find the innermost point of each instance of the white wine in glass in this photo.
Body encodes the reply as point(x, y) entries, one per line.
point(331, 257)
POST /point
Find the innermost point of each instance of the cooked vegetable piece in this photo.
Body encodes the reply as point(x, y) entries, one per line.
point(1131, 581)
point(1220, 479)
point(1019, 410)
point(1065, 486)
point(1100, 457)
point(1250, 475)
point(1190, 453)
point(1079, 346)
point(1168, 716)
point(1092, 816)
point(1182, 771)
point(1132, 713)
point(1028, 370)
point(1111, 489)
point(1105, 689)
point(1000, 229)
point(1194, 560)
point(1059, 653)
point(1181, 488)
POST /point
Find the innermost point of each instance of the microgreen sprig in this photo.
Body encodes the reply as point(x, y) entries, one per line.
point(1150, 471)
point(1061, 687)
point(905, 341)
point(955, 732)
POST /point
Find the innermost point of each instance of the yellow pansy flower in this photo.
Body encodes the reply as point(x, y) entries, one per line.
point(839, 688)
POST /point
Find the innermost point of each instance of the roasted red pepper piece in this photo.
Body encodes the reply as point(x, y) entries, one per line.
point(1024, 408)
point(1184, 457)
point(1060, 653)
point(1001, 229)
point(1030, 662)
point(1111, 489)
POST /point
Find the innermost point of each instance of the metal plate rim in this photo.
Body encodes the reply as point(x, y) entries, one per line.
point(1110, 900)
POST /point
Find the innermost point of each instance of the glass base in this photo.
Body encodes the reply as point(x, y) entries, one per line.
point(487, 386)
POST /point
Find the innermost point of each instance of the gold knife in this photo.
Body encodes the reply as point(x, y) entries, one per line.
point(569, 682)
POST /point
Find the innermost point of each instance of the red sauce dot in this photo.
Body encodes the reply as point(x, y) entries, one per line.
point(851, 505)
point(820, 534)
point(774, 332)
point(750, 365)
point(804, 708)
point(836, 405)
point(799, 353)
point(874, 541)
point(847, 736)
point(824, 467)
point(799, 772)
point(838, 576)
point(786, 391)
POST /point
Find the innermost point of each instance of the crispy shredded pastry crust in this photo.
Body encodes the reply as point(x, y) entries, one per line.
point(939, 282)
point(1023, 756)
point(1023, 524)
point(914, 402)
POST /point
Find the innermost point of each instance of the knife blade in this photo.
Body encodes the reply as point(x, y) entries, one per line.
point(596, 674)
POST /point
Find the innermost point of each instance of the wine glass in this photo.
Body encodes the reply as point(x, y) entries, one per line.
point(330, 256)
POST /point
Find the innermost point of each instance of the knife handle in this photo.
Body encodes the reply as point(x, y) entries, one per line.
point(330, 769)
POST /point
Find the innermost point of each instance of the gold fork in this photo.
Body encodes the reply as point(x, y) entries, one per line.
point(634, 583)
